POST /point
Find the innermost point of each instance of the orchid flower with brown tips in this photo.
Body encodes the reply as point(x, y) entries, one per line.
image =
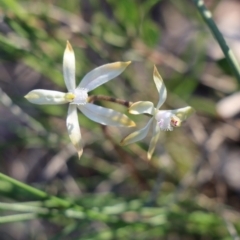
point(77, 97)
point(162, 120)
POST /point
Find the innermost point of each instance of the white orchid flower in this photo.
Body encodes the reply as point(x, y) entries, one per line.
point(162, 120)
point(78, 97)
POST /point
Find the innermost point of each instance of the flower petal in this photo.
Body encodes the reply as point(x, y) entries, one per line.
point(69, 68)
point(41, 96)
point(103, 74)
point(142, 107)
point(105, 116)
point(153, 142)
point(160, 87)
point(137, 135)
point(74, 129)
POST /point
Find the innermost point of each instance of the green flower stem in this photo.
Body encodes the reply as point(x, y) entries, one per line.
point(38, 193)
point(45, 212)
point(122, 102)
point(207, 16)
point(67, 208)
point(22, 208)
point(18, 217)
point(51, 206)
point(19, 207)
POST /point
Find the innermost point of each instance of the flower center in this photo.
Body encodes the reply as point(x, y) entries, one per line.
point(81, 96)
point(69, 96)
point(167, 120)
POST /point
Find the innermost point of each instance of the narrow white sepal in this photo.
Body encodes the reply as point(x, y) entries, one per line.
point(105, 116)
point(153, 142)
point(137, 135)
point(42, 97)
point(69, 67)
point(142, 107)
point(162, 91)
point(183, 113)
point(74, 129)
point(102, 74)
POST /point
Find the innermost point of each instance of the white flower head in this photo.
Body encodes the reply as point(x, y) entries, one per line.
point(78, 97)
point(163, 120)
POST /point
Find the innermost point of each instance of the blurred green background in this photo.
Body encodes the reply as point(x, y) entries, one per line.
point(191, 187)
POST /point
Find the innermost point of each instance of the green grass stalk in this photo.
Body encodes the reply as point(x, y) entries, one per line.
point(207, 16)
